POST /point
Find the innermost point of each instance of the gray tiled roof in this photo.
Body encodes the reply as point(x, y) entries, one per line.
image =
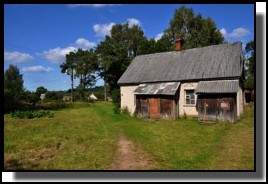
point(216, 61)
point(168, 88)
point(224, 86)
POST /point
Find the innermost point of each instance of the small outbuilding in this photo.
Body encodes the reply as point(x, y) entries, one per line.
point(217, 100)
point(66, 98)
point(157, 100)
point(92, 97)
point(43, 96)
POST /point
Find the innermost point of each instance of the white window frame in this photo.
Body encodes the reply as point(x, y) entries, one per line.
point(189, 97)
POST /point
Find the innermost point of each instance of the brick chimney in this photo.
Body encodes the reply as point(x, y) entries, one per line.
point(178, 45)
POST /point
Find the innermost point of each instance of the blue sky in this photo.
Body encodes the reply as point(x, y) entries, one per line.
point(37, 37)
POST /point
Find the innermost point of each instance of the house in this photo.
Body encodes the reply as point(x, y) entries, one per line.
point(43, 96)
point(92, 97)
point(204, 82)
point(66, 98)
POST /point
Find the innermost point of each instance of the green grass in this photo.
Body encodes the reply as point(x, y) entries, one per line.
point(84, 137)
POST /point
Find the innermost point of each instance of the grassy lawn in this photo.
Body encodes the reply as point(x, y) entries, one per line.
point(85, 137)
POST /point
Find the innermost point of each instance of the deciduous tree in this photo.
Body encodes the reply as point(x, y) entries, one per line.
point(68, 67)
point(195, 31)
point(116, 52)
point(13, 87)
point(250, 65)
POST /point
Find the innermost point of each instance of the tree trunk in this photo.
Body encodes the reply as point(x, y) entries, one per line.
point(105, 91)
point(105, 86)
point(72, 84)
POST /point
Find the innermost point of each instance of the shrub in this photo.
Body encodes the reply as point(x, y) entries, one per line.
point(115, 95)
point(125, 110)
point(90, 100)
point(31, 114)
point(116, 110)
point(9, 102)
point(53, 105)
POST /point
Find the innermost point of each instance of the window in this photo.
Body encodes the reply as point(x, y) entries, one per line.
point(189, 97)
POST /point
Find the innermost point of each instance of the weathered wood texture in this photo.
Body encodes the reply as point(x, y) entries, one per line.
point(142, 106)
point(221, 107)
point(155, 106)
point(166, 108)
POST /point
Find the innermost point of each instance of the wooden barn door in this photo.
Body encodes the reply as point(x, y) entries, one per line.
point(207, 107)
point(154, 108)
point(221, 107)
point(166, 108)
point(142, 108)
point(227, 109)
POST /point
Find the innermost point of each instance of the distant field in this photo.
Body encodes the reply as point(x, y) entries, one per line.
point(92, 137)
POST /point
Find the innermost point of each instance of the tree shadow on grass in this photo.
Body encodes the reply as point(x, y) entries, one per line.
point(57, 105)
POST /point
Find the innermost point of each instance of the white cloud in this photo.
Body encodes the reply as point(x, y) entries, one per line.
point(132, 21)
point(84, 43)
point(223, 32)
point(17, 57)
point(37, 69)
point(57, 55)
point(158, 36)
point(93, 5)
point(103, 29)
point(237, 33)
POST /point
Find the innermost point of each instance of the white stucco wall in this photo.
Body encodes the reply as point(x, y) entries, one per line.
point(239, 101)
point(190, 110)
point(128, 98)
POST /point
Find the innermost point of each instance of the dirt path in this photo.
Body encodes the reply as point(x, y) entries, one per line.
point(129, 157)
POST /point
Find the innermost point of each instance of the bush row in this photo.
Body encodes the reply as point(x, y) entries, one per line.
point(31, 114)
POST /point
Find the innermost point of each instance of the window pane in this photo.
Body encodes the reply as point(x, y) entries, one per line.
point(189, 97)
point(187, 101)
